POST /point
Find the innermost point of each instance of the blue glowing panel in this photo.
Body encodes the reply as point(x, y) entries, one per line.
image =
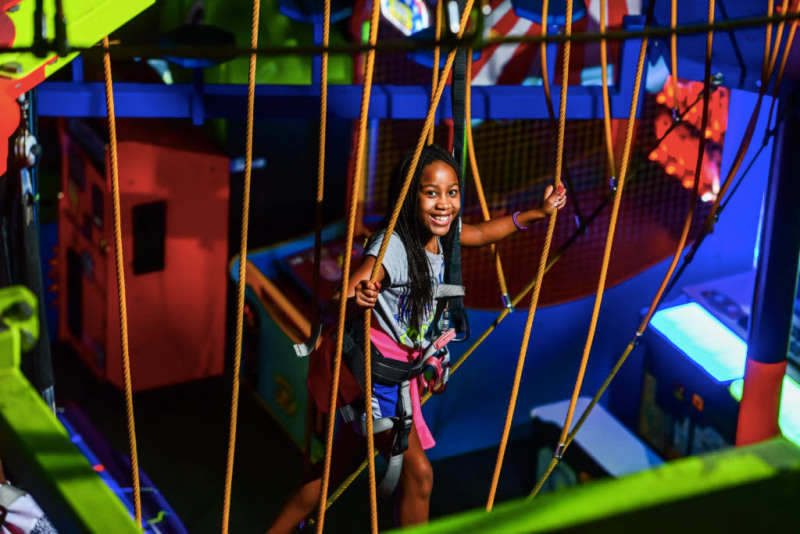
point(709, 343)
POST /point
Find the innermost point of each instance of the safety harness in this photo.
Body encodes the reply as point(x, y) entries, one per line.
point(433, 365)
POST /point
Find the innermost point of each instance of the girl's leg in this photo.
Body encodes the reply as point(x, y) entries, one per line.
point(416, 483)
point(349, 450)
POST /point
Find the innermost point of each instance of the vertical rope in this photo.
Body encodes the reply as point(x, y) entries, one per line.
point(237, 363)
point(123, 309)
point(626, 154)
point(785, 57)
point(668, 275)
point(606, 100)
point(436, 52)
point(673, 50)
point(516, 300)
point(766, 73)
point(613, 224)
point(473, 162)
point(562, 116)
point(551, 112)
point(382, 253)
point(323, 128)
point(351, 222)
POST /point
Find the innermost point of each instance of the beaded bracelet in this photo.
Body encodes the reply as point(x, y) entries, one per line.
point(514, 218)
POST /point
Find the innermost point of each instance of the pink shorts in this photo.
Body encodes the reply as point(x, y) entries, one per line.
point(320, 378)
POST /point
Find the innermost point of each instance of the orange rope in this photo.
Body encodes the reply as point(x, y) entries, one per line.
point(351, 222)
point(382, 252)
point(473, 162)
point(673, 49)
point(606, 104)
point(123, 309)
point(499, 319)
point(562, 116)
point(779, 78)
point(323, 128)
point(237, 363)
point(385, 244)
point(601, 286)
point(766, 74)
point(436, 52)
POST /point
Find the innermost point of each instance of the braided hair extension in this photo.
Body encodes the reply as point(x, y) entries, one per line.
point(420, 296)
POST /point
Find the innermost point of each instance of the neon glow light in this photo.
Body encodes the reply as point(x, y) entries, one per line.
point(709, 343)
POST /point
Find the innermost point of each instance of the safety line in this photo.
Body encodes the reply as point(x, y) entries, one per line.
point(323, 128)
point(473, 163)
point(634, 342)
point(120, 265)
point(240, 289)
point(552, 114)
point(436, 52)
point(673, 50)
point(562, 116)
point(609, 241)
point(348, 253)
point(385, 244)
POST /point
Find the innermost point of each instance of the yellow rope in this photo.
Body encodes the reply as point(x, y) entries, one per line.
point(237, 363)
point(766, 74)
point(390, 228)
point(562, 116)
point(779, 78)
point(382, 253)
point(473, 162)
point(351, 223)
point(609, 237)
point(673, 50)
point(123, 309)
point(606, 104)
point(436, 52)
point(323, 128)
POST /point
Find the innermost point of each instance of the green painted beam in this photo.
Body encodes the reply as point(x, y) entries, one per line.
point(88, 21)
point(749, 489)
point(37, 449)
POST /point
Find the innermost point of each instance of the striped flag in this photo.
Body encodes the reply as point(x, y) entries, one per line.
point(515, 64)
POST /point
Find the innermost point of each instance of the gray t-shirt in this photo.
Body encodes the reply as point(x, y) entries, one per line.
point(390, 310)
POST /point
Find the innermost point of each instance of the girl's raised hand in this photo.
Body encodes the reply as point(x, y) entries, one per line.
point(554, 199)
point(366, 293)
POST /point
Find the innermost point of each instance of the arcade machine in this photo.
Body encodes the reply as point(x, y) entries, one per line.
point(694, 369)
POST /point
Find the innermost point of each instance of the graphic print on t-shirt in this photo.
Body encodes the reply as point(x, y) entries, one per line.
point(409, 334)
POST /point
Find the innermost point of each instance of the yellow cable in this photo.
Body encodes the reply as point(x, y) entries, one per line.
point(606, 104)
point(436, 52)
point(379, 260)
point(609, 239)
point(673, 49)
point(473, 162)
point(779, 78)
point(123, 309)
point(766, 73)
point(237, 362)
point(351, 223)
point(382, 252)
point(323, 128)
point(562, 116)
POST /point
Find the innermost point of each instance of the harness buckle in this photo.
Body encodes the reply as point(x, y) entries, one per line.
point(507, 303)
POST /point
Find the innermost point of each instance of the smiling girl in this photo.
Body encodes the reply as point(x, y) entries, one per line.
point(403, 303)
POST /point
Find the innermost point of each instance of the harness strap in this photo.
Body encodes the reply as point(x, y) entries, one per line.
point(440, 291)
point(401, 424)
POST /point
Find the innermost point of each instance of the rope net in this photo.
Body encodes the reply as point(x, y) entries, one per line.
point(516, 164)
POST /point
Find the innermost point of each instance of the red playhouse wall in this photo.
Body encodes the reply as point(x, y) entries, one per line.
point(174, 192)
